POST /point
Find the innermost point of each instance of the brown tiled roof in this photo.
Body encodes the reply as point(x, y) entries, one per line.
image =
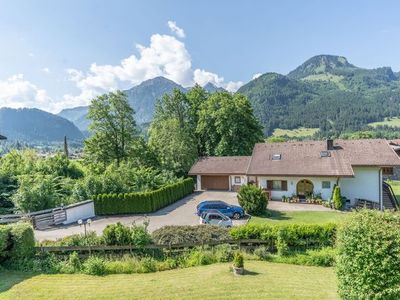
point(303, 158)
point(222, 165)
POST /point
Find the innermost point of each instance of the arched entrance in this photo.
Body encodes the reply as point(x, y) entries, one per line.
point(304, 188)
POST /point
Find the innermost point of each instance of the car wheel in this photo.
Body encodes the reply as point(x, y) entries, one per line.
point(236, 216)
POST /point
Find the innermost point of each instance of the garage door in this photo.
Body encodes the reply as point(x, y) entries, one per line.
point(215, 182)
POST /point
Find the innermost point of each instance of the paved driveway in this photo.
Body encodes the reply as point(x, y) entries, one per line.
point(179, 213)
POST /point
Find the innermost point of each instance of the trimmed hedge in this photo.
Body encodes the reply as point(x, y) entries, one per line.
point(368, 260)
point(288, 237)
point(145, 202)
point(16, 241)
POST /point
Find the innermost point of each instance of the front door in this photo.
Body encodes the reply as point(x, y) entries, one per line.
point(304, 188)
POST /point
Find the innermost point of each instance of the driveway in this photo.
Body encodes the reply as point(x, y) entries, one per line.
point(180, 213)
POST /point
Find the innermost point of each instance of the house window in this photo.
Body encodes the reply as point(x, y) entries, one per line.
point(277, 185)
point(238, 179)
point(276, 157)
point(326, 184)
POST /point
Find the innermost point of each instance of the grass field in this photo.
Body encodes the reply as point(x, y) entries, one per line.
point(263, 281)
point(395, 184)
point(391, 122)
point(304, 217)
point(298, 132)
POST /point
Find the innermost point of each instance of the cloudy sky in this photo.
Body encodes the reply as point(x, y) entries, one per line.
point(57, 54)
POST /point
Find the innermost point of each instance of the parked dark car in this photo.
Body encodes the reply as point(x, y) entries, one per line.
point(232, 211)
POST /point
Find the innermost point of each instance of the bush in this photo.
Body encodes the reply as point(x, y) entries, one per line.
point(262, 253)
point(91, 239)
point(288, 237)
point(169, 235)
point(324, 257)
point(74, 261)
point(143, 202)
point(94, 266)
point(238, 260)
point(223, 253)
point(253, 200)
point(337, 199)
point(23, 241)
point(5, 241)
point(118, 234)
point(368, 260)
point(199, 257)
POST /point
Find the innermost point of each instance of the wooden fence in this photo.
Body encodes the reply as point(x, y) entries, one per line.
point(104, 248)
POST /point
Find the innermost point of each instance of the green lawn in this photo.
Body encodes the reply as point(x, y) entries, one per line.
point(395, 184)
point(308, 217)
point(263, 281)
point(299, 132)
point(391, 122)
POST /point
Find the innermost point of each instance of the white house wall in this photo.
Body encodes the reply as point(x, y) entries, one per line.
point(292, 183)
point(365, 184)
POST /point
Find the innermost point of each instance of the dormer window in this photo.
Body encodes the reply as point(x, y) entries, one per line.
point(325, 154)
point(276, 157)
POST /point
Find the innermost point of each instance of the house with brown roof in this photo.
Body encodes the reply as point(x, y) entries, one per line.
point(303, 168)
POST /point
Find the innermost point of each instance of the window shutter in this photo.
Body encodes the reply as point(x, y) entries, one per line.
point(269, 184)
point(284, 185)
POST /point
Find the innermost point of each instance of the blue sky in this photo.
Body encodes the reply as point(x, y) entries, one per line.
point(56, 54)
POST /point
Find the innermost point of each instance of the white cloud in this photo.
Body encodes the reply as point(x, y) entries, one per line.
point(16, 92)
point(164, 56)
point(175, 29)
point(256, 75)
point(202, 77)
point(46, 70)
point(233, 86)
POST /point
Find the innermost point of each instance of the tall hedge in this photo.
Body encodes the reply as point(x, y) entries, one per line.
point(368, 261)
point(144, 202)
point(16, 241)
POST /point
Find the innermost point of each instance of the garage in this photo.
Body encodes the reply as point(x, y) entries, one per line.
point(215, 182)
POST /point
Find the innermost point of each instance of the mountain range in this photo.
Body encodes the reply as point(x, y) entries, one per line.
point(142, 98)
point(325, 92)
point(31, 124)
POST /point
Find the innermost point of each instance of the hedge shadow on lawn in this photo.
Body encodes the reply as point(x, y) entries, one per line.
point(275, 215)
point(8, 279)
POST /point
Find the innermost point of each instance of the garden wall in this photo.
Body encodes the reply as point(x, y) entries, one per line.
point(144, 202)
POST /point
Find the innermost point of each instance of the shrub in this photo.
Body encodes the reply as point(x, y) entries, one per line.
point(262, 253)
point(238, 260)
point(142, 202)
point(324, 257)
point(169, 235)
point(253, 200)
point(5, 241)
point(147, 265)
point(286, 237)
point(199, 257)
point(74, 261)
point(23, 241)
point(94, 266)
point(368, 259)
point(118, 234)
point(91, 239)
point(223, 253)
point(337, 199)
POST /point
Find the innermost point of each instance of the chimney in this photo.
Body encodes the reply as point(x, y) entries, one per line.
point(329, 144)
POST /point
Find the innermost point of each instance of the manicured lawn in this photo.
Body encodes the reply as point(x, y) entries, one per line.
point(264, 281)
point(298, 132)
point(308, 217)
point(395, 184)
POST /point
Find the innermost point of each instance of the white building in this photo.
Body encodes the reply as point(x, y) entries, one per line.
point(305, 168)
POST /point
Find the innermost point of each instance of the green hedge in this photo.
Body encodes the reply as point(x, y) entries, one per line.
point(16, 241)
point(286, 237)
point(368, 260)
point(146, 202)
